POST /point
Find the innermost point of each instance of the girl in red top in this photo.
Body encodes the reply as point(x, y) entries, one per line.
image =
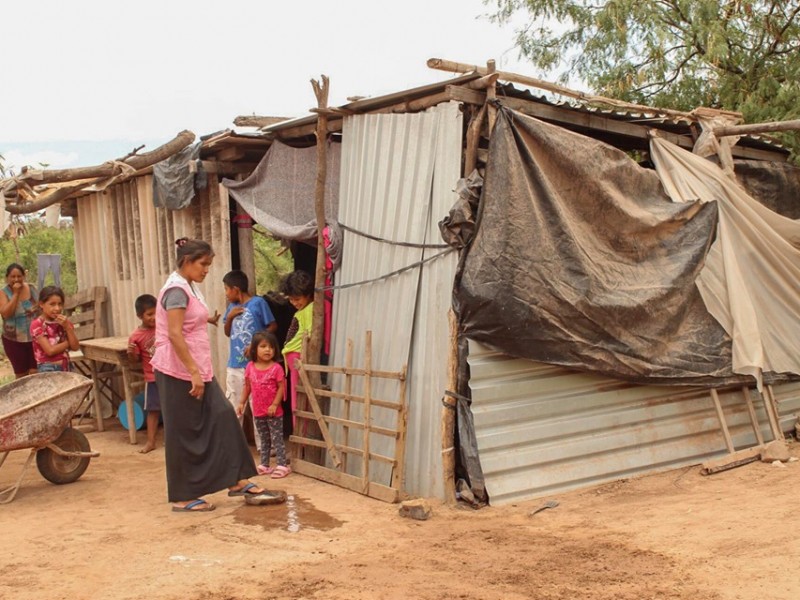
point(52, 333)
point(265, 382)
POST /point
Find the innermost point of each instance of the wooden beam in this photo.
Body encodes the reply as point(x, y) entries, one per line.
point(757, 128)
point(109, 169)
point(723, 425)
point(312, 400)
point(732, 460)
point(230, 154)
point(455, 67)
point(350, 482)
point(459, 93)
point(318, 316)
point(257, 121)
point(222, 167)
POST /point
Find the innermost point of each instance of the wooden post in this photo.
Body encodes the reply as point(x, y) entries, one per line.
point(398, 477)
point(244, 231)
point(473, 141)
point(449, 415)
point(367, 411)
point(491, 94)
point(772, 412)
point(348, 390)
point(317, 325)
point(721, 416)
point(752, 412)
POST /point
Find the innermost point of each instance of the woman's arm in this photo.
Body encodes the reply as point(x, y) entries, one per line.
point(8, 306)
point(175, 318)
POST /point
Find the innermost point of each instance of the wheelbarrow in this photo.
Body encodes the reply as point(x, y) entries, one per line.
point(35, 413)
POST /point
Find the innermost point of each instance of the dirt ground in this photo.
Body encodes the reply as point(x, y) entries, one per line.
point(675, 535)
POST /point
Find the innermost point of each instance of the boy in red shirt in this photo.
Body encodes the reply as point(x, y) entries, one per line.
point(141, 345)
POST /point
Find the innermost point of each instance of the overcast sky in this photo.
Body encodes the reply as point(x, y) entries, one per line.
point(86, 81)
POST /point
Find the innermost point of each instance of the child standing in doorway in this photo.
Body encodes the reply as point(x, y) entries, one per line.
point(141, 345)
point(264, 382)
point(298, 287)
point(245, 316)
point(52, 333)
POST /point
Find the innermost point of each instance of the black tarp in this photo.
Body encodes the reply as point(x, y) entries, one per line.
point(581, 260)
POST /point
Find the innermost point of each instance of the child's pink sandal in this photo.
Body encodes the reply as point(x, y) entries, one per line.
point(280, 472)
point(264, 470)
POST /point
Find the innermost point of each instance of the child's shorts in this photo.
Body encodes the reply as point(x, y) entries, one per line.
point(51, 366)
point(151, 399)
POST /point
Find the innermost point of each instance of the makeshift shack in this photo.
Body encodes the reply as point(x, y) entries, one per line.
point(571, 270)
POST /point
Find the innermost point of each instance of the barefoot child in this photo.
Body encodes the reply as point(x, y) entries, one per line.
point(264, 381)
point(52, 333)
point(141, 345)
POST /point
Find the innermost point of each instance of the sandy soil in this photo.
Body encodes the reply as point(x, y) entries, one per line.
point(676, 535)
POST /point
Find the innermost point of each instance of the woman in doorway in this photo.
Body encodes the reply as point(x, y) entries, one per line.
point(205, 448)
point(18, 307)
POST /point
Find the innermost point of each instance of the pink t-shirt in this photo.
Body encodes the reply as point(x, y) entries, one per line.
point(264, 387)
point(53, 333)
point(142, 343)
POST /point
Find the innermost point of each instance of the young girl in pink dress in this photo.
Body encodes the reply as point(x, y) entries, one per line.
point(265, 383)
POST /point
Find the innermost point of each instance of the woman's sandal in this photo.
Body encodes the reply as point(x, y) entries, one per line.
point(280, 472)
point(249, 489)
point(194, 506)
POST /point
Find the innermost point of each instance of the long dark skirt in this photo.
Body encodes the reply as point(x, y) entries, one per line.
point(204, 445)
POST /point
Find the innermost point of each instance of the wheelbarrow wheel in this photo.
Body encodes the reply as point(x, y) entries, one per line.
point(64, 469)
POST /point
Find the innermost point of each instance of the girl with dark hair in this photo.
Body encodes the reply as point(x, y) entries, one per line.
point(204, 446)
point(18, 307)
point(53, 333)
point(264, 383)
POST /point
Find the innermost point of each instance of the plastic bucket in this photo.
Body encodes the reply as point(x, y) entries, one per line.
point(138, 412)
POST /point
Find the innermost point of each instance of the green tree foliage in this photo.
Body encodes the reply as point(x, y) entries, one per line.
point(273, 260)
point(34, 238)
point(738, 55)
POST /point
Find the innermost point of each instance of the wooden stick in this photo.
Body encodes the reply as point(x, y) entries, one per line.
point(473, 141)
point(108, 169)
point(491, 95)
point(257, 121)
point(348, 389)
point(449, 415)
point(367, 410)
point(398, 476)
point(721, 416)
point(730, 461)
point(317, 320)
point(726, 130)
point(455, 67)
point(772, 411)
point(353, 371)
point(312, 400)
point(752, 412)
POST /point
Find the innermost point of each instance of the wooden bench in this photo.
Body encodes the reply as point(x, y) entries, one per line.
point(85, 310)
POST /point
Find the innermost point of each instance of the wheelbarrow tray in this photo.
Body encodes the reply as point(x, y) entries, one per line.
point(34, 410)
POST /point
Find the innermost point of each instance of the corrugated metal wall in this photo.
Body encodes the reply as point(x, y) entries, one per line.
point(544, 429)
point(397, 180)
point(124, 243)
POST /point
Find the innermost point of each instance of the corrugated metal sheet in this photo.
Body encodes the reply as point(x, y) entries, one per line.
point(397, 180)
point(124, 243)
point(544, 429)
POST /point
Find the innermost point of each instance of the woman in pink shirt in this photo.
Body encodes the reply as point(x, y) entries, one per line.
point(204, 446)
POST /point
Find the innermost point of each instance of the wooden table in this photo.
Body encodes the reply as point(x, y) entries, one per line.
point(112, 351)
